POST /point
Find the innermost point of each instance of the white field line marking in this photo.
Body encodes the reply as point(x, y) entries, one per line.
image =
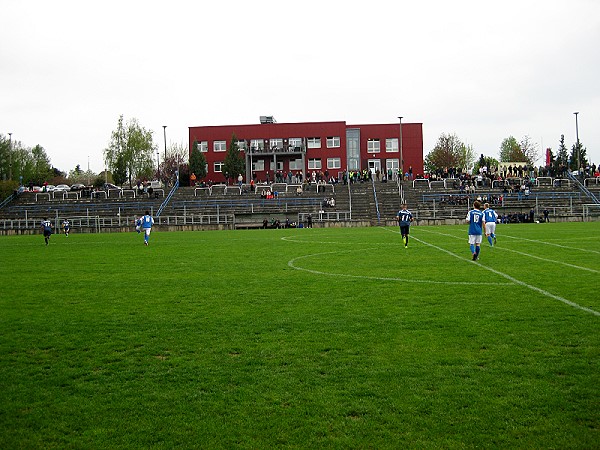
point(508, 277)
point(587, 250)
point(304, 241)
point(292, 264)
point(528, 254)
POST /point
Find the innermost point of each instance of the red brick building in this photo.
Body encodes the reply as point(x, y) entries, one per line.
point(331, 147)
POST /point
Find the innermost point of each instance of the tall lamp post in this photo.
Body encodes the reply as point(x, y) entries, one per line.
point(157, 165)
point(165, 136)
point(10, 156)
point(401, 155)
point(577, 145)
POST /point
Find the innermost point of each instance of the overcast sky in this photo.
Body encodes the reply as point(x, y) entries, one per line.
point(482, 70)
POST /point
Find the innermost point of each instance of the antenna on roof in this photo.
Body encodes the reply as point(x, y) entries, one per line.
point(267, 119)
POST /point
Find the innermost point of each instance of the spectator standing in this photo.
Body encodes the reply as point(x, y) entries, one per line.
point(475, 220)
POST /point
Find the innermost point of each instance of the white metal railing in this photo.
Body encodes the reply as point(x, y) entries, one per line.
point(97, 223)
point(326, 216)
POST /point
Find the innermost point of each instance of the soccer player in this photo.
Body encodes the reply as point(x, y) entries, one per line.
point(147, 222)
point(404, 218)
point(66, 227)
point(490, 217)
point(138, 224)
point(476, 222)
point(47, 228)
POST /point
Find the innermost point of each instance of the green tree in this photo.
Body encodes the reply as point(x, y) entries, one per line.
point(197, 162)
point(530, 149)
point(510, 151)
point(120, 170)
point(578, 157)
point(4, 156)
point(524, 151)
point(562, 157)
point(234, 164)
point(177, 157)
point(466, 157)
point(449, 151)
point(130, 146)
point(42, 170)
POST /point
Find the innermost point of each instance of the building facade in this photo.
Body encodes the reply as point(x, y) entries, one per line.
point(328, 148)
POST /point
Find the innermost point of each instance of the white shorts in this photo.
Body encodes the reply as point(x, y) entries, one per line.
point(147, 231)
point(490, 228)
point(475, 239)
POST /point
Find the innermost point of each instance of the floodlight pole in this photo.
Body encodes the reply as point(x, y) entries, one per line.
point(10, 156)
point(577, 135)
point(165, 136)
point(401, 155)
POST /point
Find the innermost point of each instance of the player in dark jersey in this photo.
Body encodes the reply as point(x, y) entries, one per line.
point(47, 229)
point(404, 218)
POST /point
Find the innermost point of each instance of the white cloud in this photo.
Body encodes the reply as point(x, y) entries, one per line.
point(483, 71)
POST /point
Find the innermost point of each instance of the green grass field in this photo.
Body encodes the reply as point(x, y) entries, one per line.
point(302, 338)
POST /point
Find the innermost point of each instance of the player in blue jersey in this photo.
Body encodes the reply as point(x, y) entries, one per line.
point(138, 224)
point(47, 229)
point(147, 222)
point(404, 218)
point(476, 223)
point(491, 218)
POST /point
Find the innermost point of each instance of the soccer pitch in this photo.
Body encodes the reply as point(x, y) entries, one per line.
point(302, 338)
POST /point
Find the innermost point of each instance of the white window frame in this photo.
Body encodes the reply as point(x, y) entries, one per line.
point(218, 166)
point(314, 164)
point(391, 145)
point(334, 163)
point(219, 146)
point(393, 164)
point(276, 143)
point(313, 142)
point(278, 168)
point(295, 142)
point(333, 142)
point(203, 146)
point(258, 165)
point(296, 164)
point(257, 144)
point(374, 165)
point(373, 146)
point(242, 145)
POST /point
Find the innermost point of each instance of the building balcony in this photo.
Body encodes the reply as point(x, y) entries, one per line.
point(285, 150)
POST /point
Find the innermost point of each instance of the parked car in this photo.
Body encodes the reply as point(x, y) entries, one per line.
point(110, 186)
point(155, 184)
point(77, 187)
point(62, 187)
